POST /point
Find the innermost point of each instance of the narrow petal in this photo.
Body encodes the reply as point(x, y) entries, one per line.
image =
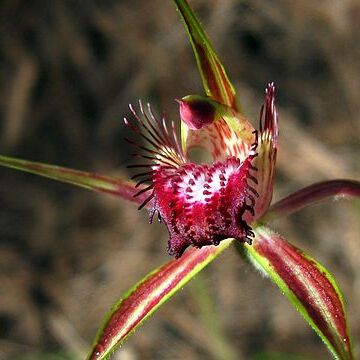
point(218, 128)
point(215, 80)
point(87, 180)
point(267, 150)
point(309, 287)
point(151, 292)
point(312, 194)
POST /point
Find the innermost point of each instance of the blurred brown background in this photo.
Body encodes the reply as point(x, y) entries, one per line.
point(68, 70)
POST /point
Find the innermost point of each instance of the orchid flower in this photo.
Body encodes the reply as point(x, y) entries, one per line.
point(208, 205)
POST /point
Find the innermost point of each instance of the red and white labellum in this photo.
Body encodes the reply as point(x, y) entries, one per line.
point(204, 204)
point(199, 204)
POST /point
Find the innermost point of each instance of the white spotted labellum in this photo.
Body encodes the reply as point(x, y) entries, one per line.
point(201, 204)
point(208, 205)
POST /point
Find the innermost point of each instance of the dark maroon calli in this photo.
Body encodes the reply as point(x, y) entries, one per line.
point(202, 205)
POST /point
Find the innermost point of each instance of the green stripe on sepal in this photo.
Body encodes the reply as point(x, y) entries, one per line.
point(310, 288)
point(215, 80)
point(147, 295)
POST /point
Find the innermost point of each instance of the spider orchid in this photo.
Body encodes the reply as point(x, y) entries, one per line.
point(208, 205)
point(201, 204)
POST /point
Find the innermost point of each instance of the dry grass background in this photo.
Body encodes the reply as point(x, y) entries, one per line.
point(68, 70)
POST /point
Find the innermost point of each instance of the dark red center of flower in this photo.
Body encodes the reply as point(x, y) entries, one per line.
point(203, 204)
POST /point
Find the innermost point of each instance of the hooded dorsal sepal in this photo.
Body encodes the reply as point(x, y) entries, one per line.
point(216, 127)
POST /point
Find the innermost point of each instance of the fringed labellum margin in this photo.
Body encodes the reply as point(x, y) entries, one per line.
point(203, 204)
point(199, 204)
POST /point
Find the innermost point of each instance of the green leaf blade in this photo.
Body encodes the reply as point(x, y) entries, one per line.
point(148, 295)
point(215, 80)
point(309, 287)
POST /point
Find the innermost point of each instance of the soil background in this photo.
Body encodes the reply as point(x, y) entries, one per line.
point(68, 70)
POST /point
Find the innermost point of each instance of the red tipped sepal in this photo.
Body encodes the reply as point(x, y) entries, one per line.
point(338, 189)
point(84, 179)
point(146, 296)
point(215, 80)
point(308, 286)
